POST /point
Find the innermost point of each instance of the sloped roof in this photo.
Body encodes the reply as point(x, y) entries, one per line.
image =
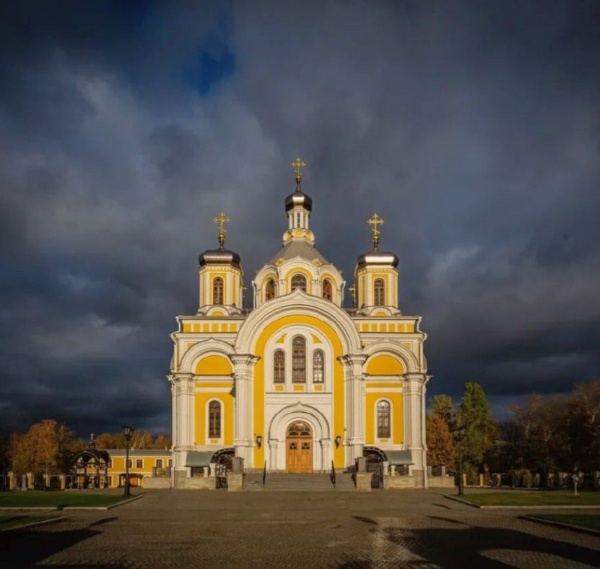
point(298, 248)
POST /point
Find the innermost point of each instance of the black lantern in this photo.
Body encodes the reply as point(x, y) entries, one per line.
point(127, 433)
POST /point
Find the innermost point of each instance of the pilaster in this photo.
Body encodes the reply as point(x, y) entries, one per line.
point(244, 404)
point(182, 393)
point(354, 405)
point(414, 416)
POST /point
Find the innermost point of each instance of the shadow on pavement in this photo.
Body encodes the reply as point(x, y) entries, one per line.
point(485, 548)
point(28, 547)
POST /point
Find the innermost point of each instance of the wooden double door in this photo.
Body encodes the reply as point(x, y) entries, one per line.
point(299, 448)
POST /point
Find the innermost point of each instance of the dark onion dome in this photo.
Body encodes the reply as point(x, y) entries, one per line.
point(219, 257)
point(298, 198)
point(377, 258)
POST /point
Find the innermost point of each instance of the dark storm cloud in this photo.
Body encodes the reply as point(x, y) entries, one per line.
point(124, 127)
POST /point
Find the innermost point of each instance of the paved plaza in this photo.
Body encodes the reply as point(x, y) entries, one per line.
point(415, 529)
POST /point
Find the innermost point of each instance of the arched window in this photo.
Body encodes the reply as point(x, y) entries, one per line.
point(279, 367)
point(318, 367)
point(217, 290)
point(299, 360)
point(379, 292)
point(214, 420)
point(327, 290)
point(299, 281)
point(270, 290)
point(383, 420)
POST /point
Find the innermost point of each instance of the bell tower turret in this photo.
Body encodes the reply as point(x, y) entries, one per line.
point(376, 274)
point(221, 277)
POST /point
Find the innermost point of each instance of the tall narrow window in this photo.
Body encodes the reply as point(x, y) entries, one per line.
point(279, 367)
point(379, 292)
point(383, 420)
point(299, 360)
point(299, 281)
point(327, 290)
point(318, 367)
point(214, 420)
point(270, 290)
point(217, 290)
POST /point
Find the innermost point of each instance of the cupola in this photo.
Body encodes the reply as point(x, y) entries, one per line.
point(298, 207)
point(376, 274)
point(221, 277)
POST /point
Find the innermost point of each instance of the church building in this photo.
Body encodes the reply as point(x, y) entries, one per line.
point(298, 382)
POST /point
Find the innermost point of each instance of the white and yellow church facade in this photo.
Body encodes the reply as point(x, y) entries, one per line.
point(299, 382)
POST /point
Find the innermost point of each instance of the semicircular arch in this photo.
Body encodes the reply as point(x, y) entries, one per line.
point(409, 361)
point(193, 356)
point(299, 412)
point(298, 304)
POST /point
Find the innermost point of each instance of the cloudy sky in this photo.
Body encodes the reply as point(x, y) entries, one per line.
point(473, 128)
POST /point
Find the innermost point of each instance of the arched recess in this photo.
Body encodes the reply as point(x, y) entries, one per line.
point(213, 364)
point(211, 346)
point(384, 364)
point(297, 304)
point(299, 412)
point(407, 358)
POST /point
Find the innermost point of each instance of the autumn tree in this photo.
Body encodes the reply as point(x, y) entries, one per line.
point(440, 442)
point(542, 422)
point(45, 448)
point(109, 441)
point(139, 440)
point(442, 406)
point(584, 424)
point(477, 428)
point(163, 442)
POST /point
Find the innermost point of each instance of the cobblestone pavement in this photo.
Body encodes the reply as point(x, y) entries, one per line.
point(413, 529)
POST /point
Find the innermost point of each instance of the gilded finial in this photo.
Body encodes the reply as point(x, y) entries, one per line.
point(221, 220)
point(374, 222)
point(298, 164)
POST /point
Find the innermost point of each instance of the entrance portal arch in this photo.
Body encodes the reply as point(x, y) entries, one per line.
point(284, 429)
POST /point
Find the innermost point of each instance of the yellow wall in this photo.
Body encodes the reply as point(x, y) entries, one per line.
point(117, 465)
point(214, 365)
point(397, 416)
point(201, 404)
point(384, 364)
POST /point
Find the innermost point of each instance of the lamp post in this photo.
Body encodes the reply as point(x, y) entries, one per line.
point(459, 435)
point(127, 433)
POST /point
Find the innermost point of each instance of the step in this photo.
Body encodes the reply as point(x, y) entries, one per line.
point(281, 482)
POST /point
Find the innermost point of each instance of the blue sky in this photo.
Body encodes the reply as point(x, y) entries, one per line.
point(472, 128)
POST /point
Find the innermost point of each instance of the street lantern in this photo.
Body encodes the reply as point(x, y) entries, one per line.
point(127, 434)
point(459, 435)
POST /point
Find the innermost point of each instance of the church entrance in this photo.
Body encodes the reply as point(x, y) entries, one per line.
point(299, 445)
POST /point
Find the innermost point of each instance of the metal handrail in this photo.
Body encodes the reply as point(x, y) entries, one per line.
point(265, 474)
point(332, 475)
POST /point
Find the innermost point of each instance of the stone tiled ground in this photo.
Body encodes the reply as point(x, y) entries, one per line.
point(418, 529)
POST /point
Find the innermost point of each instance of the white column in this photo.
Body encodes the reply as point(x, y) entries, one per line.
point(273, 454)
point(244, 405)
point(326, 455)
point(414, 417)
point(182, 390)
point(355, 418)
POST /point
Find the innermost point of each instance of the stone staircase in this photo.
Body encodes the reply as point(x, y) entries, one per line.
point(281, 482)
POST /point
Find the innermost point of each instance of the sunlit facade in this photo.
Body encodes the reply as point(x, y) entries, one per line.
point(299, 381)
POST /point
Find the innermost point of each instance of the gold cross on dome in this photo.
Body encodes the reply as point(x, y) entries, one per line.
point(221, 220)
point(374, 222)
point(298, 164)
